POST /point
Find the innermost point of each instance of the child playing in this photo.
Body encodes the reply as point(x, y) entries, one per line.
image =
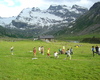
point(11, 49)
point(68, 54)
point(56, 54)
point(34, 51)
point(48, 52)
point(42, 50)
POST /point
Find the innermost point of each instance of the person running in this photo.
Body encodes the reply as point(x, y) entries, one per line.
point(68, 54)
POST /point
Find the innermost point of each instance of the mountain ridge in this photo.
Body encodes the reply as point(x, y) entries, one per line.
point(35, 16)
point(55, 18)
point(89, 23)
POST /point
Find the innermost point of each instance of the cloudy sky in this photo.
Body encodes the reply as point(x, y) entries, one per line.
point(10, 8)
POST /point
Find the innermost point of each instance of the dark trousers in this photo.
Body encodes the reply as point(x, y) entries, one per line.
point(93, 53)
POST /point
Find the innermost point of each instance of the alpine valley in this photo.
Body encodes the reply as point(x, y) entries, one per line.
point(86, 28)
point(33, 22)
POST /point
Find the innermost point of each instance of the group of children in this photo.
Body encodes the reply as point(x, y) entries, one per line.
point(68, 52)
point(56, 54)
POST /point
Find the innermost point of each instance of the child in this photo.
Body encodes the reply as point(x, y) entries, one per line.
point(99, 51)
point(93, 50)
point(56, 54)
point(11, 49)
point(48, 52)
point(42, 50)
point(60, 50)
point(71, 50)
point(68, 53)
point(34, 51)
point(39, 49)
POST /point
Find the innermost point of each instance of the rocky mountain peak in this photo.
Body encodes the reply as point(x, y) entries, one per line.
point(96, 6)
point(56, 7)
point(55, 16)
point(35, 9)
point(76, 6)
point(80, 8)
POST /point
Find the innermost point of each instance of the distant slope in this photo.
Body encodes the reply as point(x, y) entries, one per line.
point(16, 33)
point(6, 20)
point(88, 23)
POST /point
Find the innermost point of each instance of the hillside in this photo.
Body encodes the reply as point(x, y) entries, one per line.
point(16, 33)
point(89, 23)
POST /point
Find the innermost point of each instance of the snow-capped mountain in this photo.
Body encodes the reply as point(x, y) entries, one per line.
point(34, 18)
point(6, 20)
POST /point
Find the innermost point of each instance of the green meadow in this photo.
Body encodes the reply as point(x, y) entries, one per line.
point(20, 66)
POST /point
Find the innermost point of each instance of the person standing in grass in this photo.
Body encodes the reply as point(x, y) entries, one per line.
point(11, 49)
point(68, 54)
point(63, 50)
point(93, 50)
point(48, 52)
point(71, 50)
point(34, 51)
point(60, 50)
point(39, 49)
point(42, 50)
point(56, 54)
point(97, 49)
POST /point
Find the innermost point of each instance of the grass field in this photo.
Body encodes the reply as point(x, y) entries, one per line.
point(20, 66)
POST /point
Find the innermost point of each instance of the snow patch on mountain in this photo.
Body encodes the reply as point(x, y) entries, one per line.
point(37, 17)
point(6, 20)
point(33, 18)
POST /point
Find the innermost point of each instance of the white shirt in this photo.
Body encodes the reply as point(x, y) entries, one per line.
point(11, 47)
point(68, 52)
point(55, 54)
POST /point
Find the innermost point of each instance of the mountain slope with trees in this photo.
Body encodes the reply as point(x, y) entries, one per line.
point(88, 23)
